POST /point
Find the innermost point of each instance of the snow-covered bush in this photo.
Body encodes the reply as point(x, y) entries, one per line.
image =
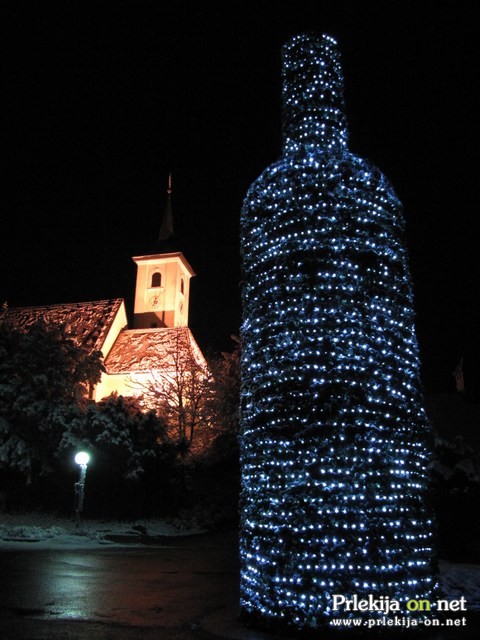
point(455, 466)
point(455, 491)
point(131, 455)
point(41, 370)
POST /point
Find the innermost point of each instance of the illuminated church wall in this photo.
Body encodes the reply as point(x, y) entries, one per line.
point(124, 384)
point(141, 359)
point(136, 358)
point(111, 384)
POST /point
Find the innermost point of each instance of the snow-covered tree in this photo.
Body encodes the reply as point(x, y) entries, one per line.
point(455, 490)
point(225, 400)
point(129, 448)
point(40, 370)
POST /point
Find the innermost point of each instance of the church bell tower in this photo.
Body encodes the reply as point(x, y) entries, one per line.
point(163, 282)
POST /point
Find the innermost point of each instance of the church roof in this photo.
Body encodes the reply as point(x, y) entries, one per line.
point(142, 350)
point(87, 322)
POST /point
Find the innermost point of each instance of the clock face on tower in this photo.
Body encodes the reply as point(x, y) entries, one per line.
point(154, 302)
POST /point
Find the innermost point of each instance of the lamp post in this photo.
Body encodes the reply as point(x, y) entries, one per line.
point(82, 458)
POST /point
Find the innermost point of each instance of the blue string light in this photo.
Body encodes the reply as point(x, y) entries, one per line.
point(335, 440)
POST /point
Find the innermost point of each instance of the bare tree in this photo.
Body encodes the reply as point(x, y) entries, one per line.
point(180, 389)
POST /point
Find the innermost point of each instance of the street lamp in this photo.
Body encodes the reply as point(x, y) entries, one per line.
point(82, 458)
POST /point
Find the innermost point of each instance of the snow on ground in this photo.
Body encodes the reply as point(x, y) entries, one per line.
point(40, 531)
point(459, 580)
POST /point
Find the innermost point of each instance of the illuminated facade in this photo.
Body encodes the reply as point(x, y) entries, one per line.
point(334, 435)
point(163, 290)
point(160, 337)
point(160, 334)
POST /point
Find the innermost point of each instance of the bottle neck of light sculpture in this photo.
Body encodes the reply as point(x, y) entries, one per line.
point(312, 95)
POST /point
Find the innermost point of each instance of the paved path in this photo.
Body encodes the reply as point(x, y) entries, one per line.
point(182, 589)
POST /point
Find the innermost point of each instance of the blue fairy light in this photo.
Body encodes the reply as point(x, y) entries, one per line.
point(334, 436)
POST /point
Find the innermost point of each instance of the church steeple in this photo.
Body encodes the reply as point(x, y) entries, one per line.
point(166, 226)
point(163, 280)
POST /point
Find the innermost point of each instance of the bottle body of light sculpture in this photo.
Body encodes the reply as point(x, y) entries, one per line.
point(334, 436)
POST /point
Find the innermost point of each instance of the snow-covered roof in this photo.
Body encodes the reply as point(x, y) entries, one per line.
point(144, 350)
point(88, 323)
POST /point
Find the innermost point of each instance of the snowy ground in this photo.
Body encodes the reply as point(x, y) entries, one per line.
point(39, 531)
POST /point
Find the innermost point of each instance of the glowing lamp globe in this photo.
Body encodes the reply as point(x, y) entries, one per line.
point(82, 458)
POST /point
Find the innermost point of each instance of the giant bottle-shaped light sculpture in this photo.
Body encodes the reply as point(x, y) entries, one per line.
point(334, 436)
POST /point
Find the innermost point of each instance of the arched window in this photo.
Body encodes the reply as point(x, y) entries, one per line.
point(156, 279)
point(182, 286)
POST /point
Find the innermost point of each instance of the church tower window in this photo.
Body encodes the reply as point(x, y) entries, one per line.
point(156, 279)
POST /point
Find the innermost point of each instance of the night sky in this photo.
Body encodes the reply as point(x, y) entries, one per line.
point(102, 101)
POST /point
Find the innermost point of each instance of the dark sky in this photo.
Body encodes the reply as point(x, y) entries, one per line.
point(103, 100)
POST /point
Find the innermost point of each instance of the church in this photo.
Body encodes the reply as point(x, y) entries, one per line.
point(160, 340)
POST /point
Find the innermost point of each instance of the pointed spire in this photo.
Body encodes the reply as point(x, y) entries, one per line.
point(166, 227)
